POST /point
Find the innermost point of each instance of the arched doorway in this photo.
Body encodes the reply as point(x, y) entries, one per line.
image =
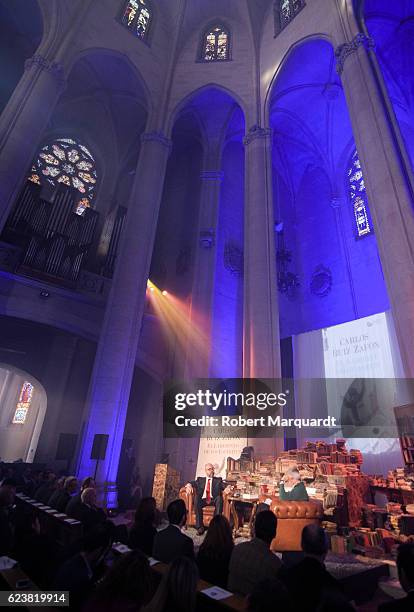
point(23, 404)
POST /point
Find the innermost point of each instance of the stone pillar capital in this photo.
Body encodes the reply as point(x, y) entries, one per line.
point(256, 132)
point(211, 175)
point(343, 51)
point(156, 136)
point(55, 69)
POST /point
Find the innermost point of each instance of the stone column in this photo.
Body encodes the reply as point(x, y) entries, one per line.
point(261, 343)
point(115, 360)
point(389, 194)
point(202, 295)
point(261, 352)
point(198, 354)
point(22, 124)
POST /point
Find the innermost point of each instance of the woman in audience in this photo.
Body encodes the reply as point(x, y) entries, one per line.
point(127, 587)
point(177, 591)
point(214, 555)
point(143, 532)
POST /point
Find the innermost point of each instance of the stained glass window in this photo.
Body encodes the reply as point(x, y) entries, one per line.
point(23, 405)
point(358, 197)
point(216, 44)
point(137, 17)
point(68, 162)
point(285, 11)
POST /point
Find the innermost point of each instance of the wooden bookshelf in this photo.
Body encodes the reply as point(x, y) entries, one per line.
point(404, 416)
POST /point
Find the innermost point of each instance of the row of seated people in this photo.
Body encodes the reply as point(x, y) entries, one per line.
point(97, 581)
point(62, 494)
point(252, 569)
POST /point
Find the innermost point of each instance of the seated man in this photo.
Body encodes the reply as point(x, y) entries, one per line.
point(319, 589)
point(405, 565)
point(292, 488)
point(170, 543)
point(88, 512)
point(252, 562)
point(208, 492)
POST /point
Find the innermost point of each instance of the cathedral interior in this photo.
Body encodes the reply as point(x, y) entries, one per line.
point(198, 189)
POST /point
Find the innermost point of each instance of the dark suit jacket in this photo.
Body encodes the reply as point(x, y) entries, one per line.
point(74, 576)
point(54, 498)
point(399, 605)
point(89, 516)
point(250, 563)
point(317, 585)
point(73, 505)
point(170, 543)
point(142, 537)
point(217, 486)
point(62, 501)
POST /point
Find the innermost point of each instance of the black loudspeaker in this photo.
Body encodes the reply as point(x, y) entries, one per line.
point(100, 442)
point(66, 446)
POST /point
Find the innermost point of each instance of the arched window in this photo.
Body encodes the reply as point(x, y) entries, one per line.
point(137, 17)
point(69, 162)
point(285, 11)
point(216, 44)
point(359, 201)
point(23, 405)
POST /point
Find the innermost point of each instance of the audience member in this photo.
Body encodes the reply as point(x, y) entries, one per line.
point(10, 484)
point(56, 493)
point(405, 565)
point(75, 501)
point(177, 591)
point(6, 526)
point(46, 489)
point(269, 595)
point(7, 474)
point(81, 571)
point(319, 589)
point(27, 482)
point(88, 512)
point(253, 561)
point(170, 543)
point(127, 587)
point(36, 552)
point(61, 497)
point(213, 557)
point(143, 532)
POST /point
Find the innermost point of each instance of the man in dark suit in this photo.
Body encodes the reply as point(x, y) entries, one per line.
point(405, 565)
point(170, 543)
point(251, 562)
point(79, 573)
point(318, 588)
point(208, 492)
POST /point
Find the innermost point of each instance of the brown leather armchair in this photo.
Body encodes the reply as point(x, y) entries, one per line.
point(208, 511)
point(292, 517)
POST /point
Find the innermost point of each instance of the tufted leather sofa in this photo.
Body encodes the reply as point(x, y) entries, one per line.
point(292, 517)
point(208, 511)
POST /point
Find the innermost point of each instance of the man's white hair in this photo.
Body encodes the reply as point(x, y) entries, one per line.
point(88, 494)
point(294, 473)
